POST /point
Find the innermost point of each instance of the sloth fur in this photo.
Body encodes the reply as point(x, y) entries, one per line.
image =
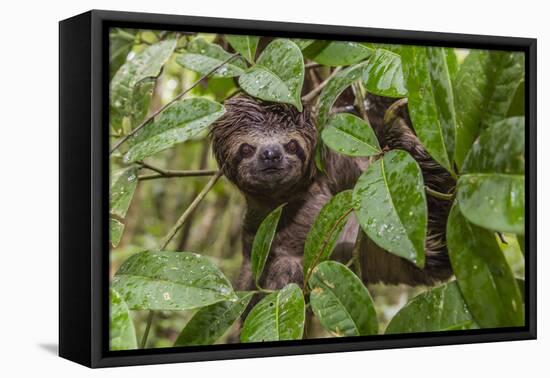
point(267, 150)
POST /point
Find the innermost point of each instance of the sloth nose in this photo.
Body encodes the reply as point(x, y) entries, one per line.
point(271, 153)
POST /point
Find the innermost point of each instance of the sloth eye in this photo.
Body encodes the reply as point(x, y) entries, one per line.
point(246, 150)
point(292, 146)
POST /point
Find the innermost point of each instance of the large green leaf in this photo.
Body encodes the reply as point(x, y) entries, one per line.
point(116, 229)
point(383, 75)
point(278, 74)
point(350, 135)
point(123, 185)
point(326, 229)
point(485, 279)
point(279, 316)
point(439, 309)
point(146, 64)
point(262, 242)
point(471, 89)
point(245, 45)
point(121, 42)
point(488, 88)
point(334, 88)
point(430, 101)
point(176, 124)
point(337, 53)
point(341, 302)
point(122, 334)
point(491, 189)
point(509, 74)
point(171, 281)
point(211, 322)
point(390, 204)
point(203, 57)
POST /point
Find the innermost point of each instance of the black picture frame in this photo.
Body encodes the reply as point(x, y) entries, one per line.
point(84, 189)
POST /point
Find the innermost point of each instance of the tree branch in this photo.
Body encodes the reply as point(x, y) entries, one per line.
point(168, 173)
point(391, 112)
point(179, 96)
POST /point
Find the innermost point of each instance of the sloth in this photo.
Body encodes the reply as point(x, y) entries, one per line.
point(267, 151)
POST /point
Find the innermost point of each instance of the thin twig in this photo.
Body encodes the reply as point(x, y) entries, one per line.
point(179, 96)
point(311, 95)
point(436, 194)
point(183, 218)
point(172, 174)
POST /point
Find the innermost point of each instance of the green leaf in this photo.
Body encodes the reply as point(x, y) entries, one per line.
point(337, 53)
point(341, 302)
point(491, 189)
point(211, 322)
point(116, 229)
point(176, 124)
point(485, 279)
point(146, 64)
point(390, 204)
point(203, 57)
point(439, 309)
point(487, 89)
point(471, 88)
point(509, 74)
point(262, 242)
point(121, 42)
point(123, 186)
point(326, 229)
point(278, 316)
point(452, 62)
point(302, 43)
point(383, 75)
point(245, 45)
point(334, 88)
point(521, 242)
point(430, 101)
point(122, 334)
point(171, 281)
point(350, 135)
point(141, 100)
point(278, 74)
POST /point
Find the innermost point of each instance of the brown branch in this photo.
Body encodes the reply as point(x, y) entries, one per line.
point(311, 95)
point(172, 174)
point(312, 65)
point(179, 96)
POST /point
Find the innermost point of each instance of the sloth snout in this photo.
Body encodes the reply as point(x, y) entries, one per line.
point(271, 154)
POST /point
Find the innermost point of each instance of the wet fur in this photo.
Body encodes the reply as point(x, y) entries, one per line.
point(306, 190)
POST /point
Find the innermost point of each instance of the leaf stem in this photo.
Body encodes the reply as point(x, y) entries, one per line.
point(436, 194)
point(360, 100)
point(325, 242)
point(161, 109)
point(356, 254)
point(147, 329)
point(183, 218)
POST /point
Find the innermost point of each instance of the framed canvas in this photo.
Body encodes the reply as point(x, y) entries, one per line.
point(235, 188)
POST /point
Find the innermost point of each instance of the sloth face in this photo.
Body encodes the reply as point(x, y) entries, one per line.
point(265, 149)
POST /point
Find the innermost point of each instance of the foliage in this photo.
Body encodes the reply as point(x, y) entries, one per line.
point(468, 112)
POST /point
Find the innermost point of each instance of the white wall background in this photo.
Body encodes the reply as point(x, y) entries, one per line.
point(29, 186)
